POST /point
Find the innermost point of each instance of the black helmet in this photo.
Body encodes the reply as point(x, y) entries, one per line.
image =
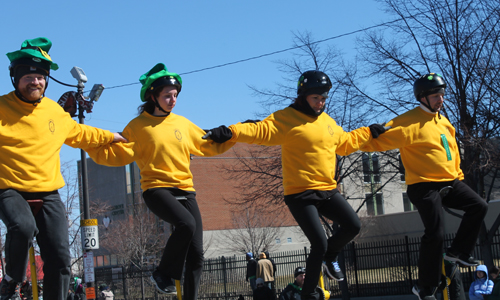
point(428, 84)
point(313, 82)
point(23, 66)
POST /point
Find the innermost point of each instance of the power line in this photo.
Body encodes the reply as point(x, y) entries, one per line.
point(275, 52)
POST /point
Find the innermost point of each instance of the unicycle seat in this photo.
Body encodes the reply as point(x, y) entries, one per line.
point(35, 205)
point(445, 191)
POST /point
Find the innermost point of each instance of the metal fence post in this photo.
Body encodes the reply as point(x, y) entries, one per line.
point(355, 262)
point(408, 257)
point(124, 275)
point(224, 272)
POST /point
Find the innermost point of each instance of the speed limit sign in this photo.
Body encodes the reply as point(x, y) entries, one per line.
point(90, 235)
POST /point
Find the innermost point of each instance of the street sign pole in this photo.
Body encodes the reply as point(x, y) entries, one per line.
point(90, 241)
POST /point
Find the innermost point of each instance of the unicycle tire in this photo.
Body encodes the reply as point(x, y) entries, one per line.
point(320, 292)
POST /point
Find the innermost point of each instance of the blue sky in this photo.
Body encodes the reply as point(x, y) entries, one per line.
point(115, 42)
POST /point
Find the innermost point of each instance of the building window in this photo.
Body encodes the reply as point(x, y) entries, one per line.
point(401, 169)
point(371, 168)
point(100, 261)
point(408, 206)
point(106, 260)
point(289, 240)
point(374, 204)
point(278, 241)
point(114, 260)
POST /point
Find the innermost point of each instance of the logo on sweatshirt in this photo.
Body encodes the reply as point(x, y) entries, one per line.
point(52, 126)
point(330, 130)
point(178, 135)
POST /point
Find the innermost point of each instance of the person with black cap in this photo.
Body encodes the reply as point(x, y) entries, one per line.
point(33, 129)
point(262, 292)
point(310, 140)
point(275, 268)
point(106, 294)
point(161, 143)
point(431, 157)
point(251, 270)
point(292, 291)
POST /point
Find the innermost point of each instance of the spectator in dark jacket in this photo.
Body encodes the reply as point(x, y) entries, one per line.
point(293, 290)
point(262, 292)
point(251, 270)
point(495, 294)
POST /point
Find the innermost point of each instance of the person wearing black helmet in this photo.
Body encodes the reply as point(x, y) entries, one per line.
point(431, 157)
point(310, 140)
point(293, 290)
point(161, 143)
point(33, 129)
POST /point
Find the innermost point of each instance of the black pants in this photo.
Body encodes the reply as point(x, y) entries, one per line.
point(425, 197)
point(306, 208)
point(50, 227)
point(185, 246)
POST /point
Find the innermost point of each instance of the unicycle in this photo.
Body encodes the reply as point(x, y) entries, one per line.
point(320, 289)
point(35, 206)
point(445, 279)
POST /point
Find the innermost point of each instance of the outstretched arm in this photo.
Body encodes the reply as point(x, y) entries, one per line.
point(118, 137)
point(113, 155)
point(219, 134)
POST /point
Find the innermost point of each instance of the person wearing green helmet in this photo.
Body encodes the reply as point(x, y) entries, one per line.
point(33, 129)
point(431, 157)
point(161, 143)
point(310, 141)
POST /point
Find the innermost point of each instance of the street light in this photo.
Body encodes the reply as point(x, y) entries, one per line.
point(71, 101)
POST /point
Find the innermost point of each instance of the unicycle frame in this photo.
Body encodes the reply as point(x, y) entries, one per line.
point(178, 282)
point(446, 289)
point(321, 284)
point(35, 206)
point(443, 192)
point(321, 281)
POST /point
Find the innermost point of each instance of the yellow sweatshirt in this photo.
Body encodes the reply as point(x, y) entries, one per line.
point(31, 138)
point(423, 139)
point(308, 146)
point(161, 147)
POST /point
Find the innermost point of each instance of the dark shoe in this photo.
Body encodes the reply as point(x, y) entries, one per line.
point(163, 283)
point(333, 271)
point(461, 258)
point(9, 290)
point(424, 293)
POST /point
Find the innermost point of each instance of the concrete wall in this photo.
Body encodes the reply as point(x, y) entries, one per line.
point(398, 225)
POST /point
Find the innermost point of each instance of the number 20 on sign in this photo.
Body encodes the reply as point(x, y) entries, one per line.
point(90, 234)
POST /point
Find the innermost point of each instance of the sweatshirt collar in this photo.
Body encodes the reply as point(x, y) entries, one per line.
point(427, 110)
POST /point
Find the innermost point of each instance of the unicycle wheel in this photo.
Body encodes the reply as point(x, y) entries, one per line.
point(321, 293)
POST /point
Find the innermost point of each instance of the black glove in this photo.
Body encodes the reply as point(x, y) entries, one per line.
point(377, 129)
point(219, 134)
point(250, 121)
